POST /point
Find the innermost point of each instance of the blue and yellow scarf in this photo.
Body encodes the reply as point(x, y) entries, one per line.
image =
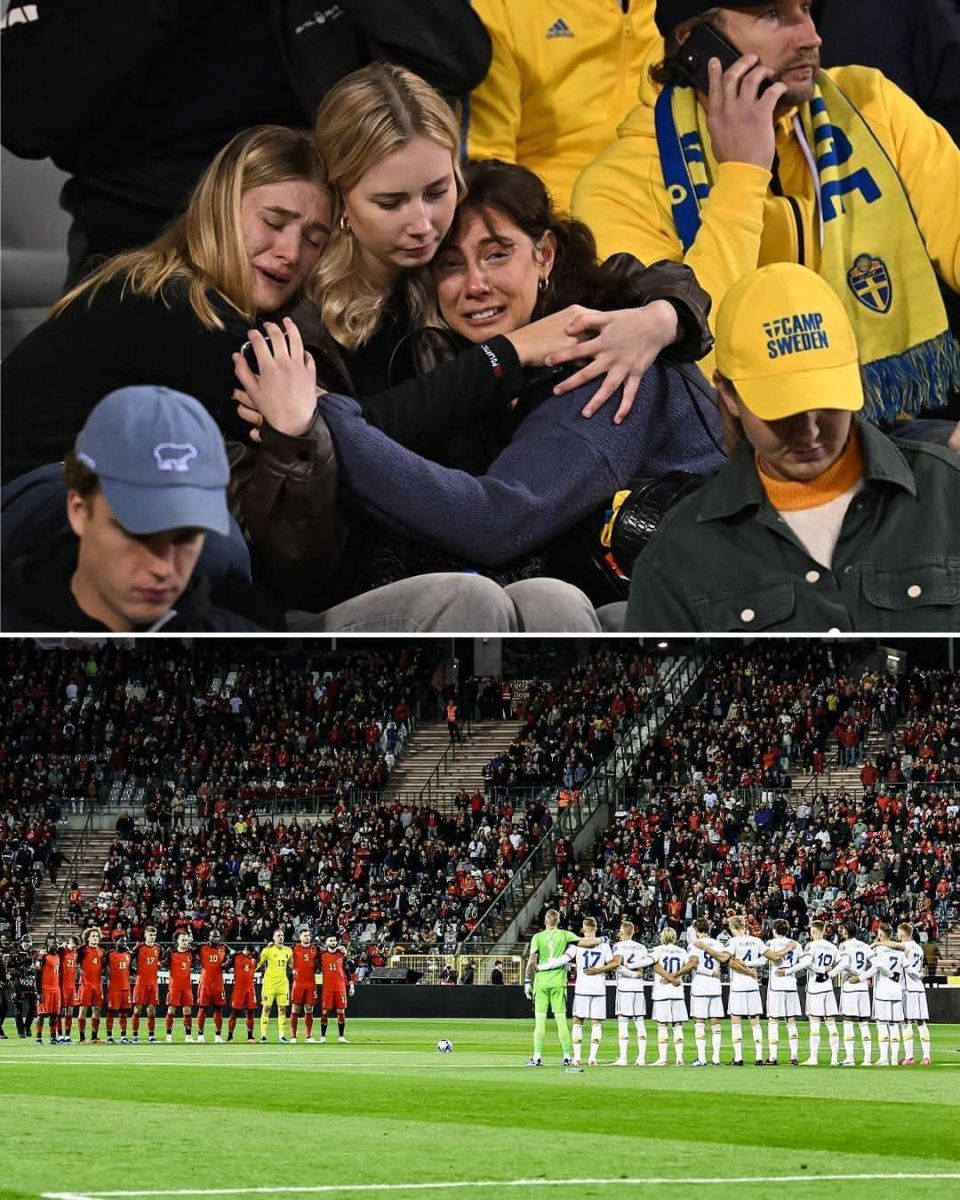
point(873, 254)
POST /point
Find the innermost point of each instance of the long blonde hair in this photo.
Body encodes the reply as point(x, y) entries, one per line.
point(363, 119)
point(204, 246)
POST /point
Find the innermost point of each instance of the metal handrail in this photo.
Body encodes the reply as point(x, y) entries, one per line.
point(596, 789)
point(72, 873)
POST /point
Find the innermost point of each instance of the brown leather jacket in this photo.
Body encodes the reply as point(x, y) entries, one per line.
point(284, 492)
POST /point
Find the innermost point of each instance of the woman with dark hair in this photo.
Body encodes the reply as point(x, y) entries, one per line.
point(508, 260)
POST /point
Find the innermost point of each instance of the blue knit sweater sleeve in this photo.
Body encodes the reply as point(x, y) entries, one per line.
point(556, 469)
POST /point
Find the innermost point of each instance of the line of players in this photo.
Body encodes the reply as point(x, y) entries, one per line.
point(894, 968)
point(71, 984)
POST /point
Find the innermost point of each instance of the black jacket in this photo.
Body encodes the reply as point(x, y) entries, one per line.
point(37, 599)
point(915, 43)
point(134, 99)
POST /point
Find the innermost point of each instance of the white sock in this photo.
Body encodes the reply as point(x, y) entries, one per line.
point(662, 1035)
point(596, 1033)
point(908, 1041)
point(866, 1040)
point(894, 1044)
point(883, 1042)
point(577, 1042)
point(773, 1039)
point(736, 1036)
point(924, 1040)
point(757, 1039)
point(700, 1037)
point(814, 1038)
point(833, 1036)
point(678, 1042)
point(717, 1042)
point(793, 1040)
point(641, 1039)
point(848, 1041)
point(623, 1036)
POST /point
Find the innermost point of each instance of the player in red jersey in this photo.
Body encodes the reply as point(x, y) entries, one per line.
point(68, 988)
point(146, 986)
point(180, 988)
point(303, 996)
point(243, 995)
point(333, 972)
point(48, 985)
point(118, 988)
point(212, 997)
point(90, 960)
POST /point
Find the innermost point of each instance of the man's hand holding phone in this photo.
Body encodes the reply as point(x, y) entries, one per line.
point(739, 117)
point(284, 390)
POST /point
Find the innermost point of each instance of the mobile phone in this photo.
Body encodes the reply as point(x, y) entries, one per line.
point(250, 356)
point(694, 56)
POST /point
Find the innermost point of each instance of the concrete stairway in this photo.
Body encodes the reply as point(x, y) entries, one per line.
point(463, 769)
point(89, 874)
point(836, 778)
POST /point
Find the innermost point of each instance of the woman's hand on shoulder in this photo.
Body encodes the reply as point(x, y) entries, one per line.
point(284, 393)
point(623, 345)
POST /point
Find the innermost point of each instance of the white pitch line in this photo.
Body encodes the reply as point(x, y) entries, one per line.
point(450, 1185)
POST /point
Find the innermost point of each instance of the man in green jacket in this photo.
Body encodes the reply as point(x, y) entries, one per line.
point(819, 523)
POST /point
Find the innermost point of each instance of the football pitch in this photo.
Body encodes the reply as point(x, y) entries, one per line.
point(386, 1115)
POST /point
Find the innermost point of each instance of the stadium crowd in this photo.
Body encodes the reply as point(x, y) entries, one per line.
point(571, 726)
point(711, 820)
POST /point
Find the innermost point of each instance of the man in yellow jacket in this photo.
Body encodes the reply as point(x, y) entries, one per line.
point(564, 75)
point(835, 170)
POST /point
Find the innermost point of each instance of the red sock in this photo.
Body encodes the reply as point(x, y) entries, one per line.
point(169, 1023)
point(151, 1025)
point(217, 1021)
point(55, 1026)
point(188, 1025)
point(249, 1026)
point(136, 1024)
point(231, 1026)
point(96, 1026)
point(309, 1020)
point(82, 1023)
point(69, 1024)
point(201, 1021)
point(109, 1027)
point(293, 1025)
point(123, 1025)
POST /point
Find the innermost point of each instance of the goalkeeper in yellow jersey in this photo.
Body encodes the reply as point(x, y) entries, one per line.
point(275, 960)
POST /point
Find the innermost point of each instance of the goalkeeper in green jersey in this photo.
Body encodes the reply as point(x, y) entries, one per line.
point(548, 989)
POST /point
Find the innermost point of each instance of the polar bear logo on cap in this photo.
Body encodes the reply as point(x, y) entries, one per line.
point(174, 456)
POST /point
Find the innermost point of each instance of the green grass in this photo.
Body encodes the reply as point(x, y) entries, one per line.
point(388, 1109)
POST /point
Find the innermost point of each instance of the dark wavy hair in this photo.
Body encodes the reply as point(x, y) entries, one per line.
point(494, 186)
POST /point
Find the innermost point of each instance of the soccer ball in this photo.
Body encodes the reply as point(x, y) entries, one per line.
point(444, 1046)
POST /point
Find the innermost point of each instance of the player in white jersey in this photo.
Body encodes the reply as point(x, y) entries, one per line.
point(855, 996)
point(589, 990)
point(821, 959)
point(744, 1001)
point(629, 960)
point(783, 998)
point(915, 1011)
point(669, 1006)
point(887, 971)
point(706, 996)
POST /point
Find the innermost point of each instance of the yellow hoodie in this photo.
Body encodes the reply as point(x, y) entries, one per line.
point(622, 197)
point(564, 75)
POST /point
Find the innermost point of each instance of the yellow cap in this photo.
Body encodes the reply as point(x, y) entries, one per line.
point(787, 345)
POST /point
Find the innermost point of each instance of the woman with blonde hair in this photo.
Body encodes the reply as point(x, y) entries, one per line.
point(174, 312)
point(391, 147)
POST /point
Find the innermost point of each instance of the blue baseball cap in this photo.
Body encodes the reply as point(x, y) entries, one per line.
point(160, 459)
